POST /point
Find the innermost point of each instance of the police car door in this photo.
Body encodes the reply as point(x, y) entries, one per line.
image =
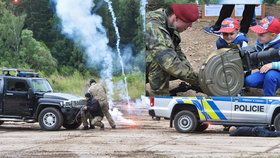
point(217, 108)
point(249, 109)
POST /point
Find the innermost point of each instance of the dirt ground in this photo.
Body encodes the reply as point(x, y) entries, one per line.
point(148, 139)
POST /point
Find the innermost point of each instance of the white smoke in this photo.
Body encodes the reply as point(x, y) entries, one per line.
point(143, 13)
point(118, 45)
point(86, 29)
point(118, 117)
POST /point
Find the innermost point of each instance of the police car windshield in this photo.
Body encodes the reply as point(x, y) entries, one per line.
point(41, 85)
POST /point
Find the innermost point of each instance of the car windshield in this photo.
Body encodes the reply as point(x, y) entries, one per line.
point(41, 85)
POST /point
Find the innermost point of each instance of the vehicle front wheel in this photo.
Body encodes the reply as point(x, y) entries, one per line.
point(277, 122)
point(1, 122)
point(74, 125)
point(185, 121)
point(50, 119)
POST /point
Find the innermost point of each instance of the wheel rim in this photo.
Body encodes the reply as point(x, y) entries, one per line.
point(49, 119)
point(277, 126)
point(185, 122)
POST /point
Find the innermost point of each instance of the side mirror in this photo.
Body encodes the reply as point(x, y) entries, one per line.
point(30, 93)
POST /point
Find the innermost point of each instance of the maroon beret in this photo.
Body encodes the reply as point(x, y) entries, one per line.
point(185, 12)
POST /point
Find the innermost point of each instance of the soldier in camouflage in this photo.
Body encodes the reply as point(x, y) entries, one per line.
point(164, 58)
point(99, 92)
point(93, 112)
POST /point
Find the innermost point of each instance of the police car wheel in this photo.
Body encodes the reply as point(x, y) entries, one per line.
point(50, 119)
point(185, 121)
point(1, 122)
point(74, 125)
point(277, 122)
point(202, 127)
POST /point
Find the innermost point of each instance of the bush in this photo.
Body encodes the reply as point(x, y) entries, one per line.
point(77, 84)
point(74, 84)
point(136, 85)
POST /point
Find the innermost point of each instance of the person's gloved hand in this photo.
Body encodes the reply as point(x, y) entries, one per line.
point(196, 88)
point(182, 87)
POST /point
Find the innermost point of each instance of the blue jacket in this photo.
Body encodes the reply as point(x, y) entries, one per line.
point(272, 44)
point(240, 38)
point(275, 44)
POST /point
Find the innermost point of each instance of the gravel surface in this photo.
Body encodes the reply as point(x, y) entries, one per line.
point(149, 138)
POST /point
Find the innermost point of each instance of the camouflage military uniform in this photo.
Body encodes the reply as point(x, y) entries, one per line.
point(99, 92)
point(96, 121)
point(85, 115)
point(164, 58)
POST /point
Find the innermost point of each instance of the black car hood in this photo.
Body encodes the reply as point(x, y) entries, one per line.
point(61, 96)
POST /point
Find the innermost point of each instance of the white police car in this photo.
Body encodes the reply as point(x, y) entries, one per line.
point(189, 114)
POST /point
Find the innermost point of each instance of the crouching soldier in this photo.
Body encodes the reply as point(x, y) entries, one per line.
point(98, 91)
point(85, 115)
point(94, 111)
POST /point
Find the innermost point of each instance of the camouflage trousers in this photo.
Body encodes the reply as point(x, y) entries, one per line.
point(96, 121)
point(159, 79)
point(105, 109)
point(85, 117)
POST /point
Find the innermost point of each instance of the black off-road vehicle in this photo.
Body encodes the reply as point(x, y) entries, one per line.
point(26, 97)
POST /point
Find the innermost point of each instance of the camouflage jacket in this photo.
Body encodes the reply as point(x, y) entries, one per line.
point(98, 91)
point(162, 46)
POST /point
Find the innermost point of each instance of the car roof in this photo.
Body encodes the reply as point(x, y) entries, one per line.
point(16, 77)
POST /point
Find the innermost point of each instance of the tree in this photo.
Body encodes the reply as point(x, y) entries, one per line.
point(36, 54)
point(10, 32)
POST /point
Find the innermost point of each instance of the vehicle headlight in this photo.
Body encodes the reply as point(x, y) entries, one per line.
point(67, 104)
point(79, 103)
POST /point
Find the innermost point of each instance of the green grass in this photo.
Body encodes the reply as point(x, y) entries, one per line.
point(135, 84)
point(74, 84)
point(77, 84)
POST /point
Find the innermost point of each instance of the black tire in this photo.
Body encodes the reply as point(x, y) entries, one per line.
point(271, 128)
point(276, 122)
point(50, 119)
point(202, 127)
point(185, 121)
point(75, 125)
point(1, 122)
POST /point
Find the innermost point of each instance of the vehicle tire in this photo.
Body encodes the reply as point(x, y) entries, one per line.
point(202, 127)
point(50, 119)
point(276, 122)
point(185, 121)
point(271, 128)
point(74, 125)
point(1, 122)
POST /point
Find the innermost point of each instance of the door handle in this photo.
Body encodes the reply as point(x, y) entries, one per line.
point(236, 99)
point(9, 94)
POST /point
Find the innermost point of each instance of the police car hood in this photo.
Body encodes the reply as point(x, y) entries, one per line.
point(62, 96)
